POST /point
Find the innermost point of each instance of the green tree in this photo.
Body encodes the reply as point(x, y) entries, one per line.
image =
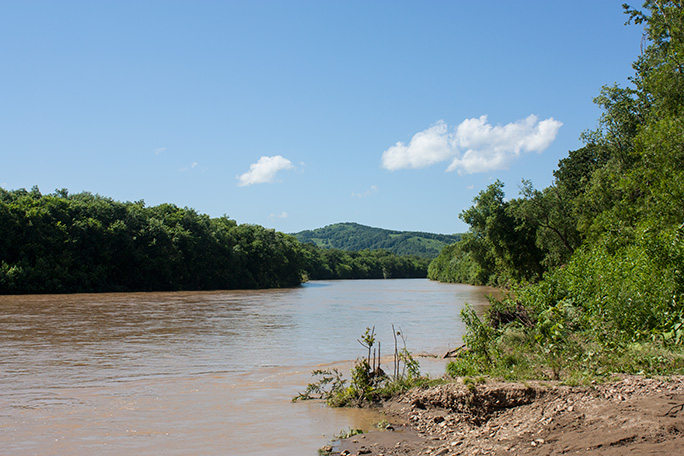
point(503, 248)
point(61, 242)
point(549, 214)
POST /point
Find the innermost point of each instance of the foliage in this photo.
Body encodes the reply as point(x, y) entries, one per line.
point(550, 215)
point(610, 309)
point(498, 247)
point(609, 231)
point(66, 243)
point(369, 383)
point(327, 387)
point(563, 344)
point(327, 264)
point(63, 243)
point(462, 366)
point(383, 424)
point(350, 432)
point(479, 337)
point(356, 237)
point(455, 265)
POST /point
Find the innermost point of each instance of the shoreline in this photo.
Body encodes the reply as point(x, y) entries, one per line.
point(633, 415)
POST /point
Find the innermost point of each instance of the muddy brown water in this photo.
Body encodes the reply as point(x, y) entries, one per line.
point(209, 373)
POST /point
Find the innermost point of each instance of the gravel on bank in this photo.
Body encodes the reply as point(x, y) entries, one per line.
point(633, 415)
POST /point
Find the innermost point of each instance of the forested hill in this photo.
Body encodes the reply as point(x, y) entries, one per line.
point(354, 237)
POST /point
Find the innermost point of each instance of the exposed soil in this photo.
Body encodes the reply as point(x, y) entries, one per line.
point(634, 416)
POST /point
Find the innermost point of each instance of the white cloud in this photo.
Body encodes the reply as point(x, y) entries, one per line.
point(490, 147)
point(264, 170)
point(426, 148)
point(159, 150)
point(282, 215)
point(369, 192)
point(474, 146)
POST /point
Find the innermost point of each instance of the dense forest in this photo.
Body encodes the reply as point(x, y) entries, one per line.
point(355, 237)
point(322, 264)
point(65, 243)
point(593, 263)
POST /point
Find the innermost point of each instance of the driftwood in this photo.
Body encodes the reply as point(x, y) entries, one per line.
point(500, 317)
point(455, 352)
point(674, 410)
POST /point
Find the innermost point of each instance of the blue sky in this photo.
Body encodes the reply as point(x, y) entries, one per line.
point(298, 114)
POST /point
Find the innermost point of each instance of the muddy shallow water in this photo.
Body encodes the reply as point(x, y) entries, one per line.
point(208, 373)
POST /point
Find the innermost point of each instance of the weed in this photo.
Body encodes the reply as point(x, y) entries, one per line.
point(383, 424)
point(330, 384)
point(346, 433)
point(369, 383)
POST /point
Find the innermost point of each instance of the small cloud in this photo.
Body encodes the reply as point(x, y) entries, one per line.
point(264, 170)
point(159, 150)
point(474, 146)
point(282, 215)
point(369, 192)
point(470, 187)
point(188, 168)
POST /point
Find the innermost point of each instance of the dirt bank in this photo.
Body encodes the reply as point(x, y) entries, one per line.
point(634, 415)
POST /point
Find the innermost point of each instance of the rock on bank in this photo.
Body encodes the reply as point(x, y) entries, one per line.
point(634, 415)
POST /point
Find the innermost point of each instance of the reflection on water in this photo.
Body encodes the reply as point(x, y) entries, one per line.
point(203, 373)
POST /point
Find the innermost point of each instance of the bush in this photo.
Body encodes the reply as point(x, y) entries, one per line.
point(369, 383)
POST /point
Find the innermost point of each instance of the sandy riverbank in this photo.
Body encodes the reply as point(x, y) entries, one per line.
point(634, 415)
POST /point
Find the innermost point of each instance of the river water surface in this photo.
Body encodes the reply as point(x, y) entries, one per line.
point(209, 373)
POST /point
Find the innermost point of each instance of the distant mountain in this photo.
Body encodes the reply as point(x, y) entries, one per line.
point(354, 237)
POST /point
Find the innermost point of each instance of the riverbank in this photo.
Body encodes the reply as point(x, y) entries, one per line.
point(632, 415)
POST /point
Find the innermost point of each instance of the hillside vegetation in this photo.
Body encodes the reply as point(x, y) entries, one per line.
point(593, 263)
point(355, 237)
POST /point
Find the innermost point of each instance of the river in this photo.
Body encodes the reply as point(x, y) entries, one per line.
point(202, 373)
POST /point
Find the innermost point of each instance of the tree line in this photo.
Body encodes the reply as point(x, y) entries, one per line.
point(324, 264)
point(66, 243)
point(596, 257)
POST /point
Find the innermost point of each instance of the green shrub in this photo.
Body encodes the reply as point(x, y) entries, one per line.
point(369, 383)
point(463, 366)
